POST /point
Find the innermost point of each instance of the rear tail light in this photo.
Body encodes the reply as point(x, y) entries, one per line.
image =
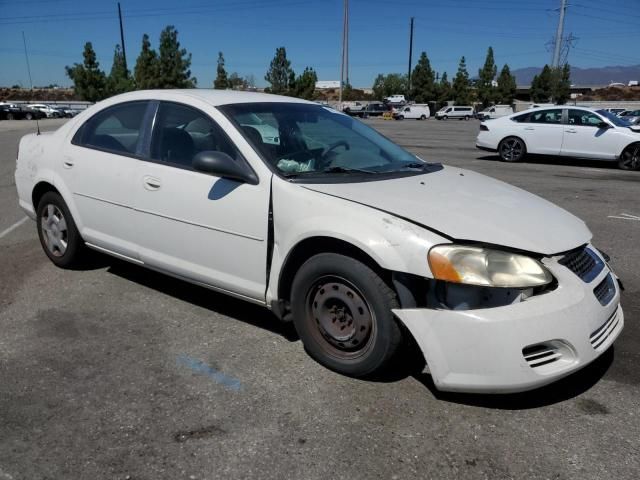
point(484, 128)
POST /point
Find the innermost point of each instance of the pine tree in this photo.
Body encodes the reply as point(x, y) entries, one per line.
point(221, 82)
point(561, 85)
point(119, 80)
point(147, 66)
point(423, 81)
point(236, 82)
point(444, 90)
point(486, 76)
point(305, 84)
point(387, 85)
point(506, 86)
point(542, 85)
point(461, 88)
point(279, 73)
point(174, 62)
point(89, 81)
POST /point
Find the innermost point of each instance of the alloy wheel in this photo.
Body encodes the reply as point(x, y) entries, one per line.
point(511, 150)
point(54, 229)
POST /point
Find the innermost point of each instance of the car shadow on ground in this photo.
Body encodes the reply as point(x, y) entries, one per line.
point(202, 297)
point(565, 389)
point(565, 161)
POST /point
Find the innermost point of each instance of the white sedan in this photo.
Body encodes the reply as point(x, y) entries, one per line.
point(360, 243)
point(563, 131)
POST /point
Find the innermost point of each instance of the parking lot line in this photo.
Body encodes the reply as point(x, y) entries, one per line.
point(622, 216)
point(13, 227)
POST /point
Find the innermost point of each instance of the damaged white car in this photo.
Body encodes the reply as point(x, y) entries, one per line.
point(329, 224)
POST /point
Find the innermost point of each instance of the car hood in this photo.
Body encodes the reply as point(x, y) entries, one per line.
point(464, 205)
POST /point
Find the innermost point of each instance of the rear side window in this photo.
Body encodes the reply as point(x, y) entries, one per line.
point(115, 129)
point(553, 116)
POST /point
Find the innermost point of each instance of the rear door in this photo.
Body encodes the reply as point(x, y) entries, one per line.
point(98, 167)
point(542, 131)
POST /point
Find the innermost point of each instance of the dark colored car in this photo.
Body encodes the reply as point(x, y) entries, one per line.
point(12, 112)
point(374, 110)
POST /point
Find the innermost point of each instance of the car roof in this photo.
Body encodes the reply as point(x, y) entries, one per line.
point(210, 96)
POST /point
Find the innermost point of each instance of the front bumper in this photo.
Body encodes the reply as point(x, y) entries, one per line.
point(484, 350)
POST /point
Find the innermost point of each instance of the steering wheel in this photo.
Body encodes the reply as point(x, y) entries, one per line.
point(333, 146)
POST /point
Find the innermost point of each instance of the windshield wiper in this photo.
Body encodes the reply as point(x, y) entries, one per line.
point(345, 170)
point(419, 165)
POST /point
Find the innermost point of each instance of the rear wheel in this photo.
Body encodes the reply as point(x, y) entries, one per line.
point(630, 158)
point(9, 116)
point(466, 117)
point(57, 231)
point(28, 116)
point(342, 312)
point(512, 149)
point(423, 117)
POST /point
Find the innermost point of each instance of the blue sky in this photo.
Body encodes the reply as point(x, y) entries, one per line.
point(248, 32)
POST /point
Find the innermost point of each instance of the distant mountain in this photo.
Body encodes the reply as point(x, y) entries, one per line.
point(585, 76)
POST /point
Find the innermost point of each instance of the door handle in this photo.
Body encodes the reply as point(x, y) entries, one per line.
point(67, 162)
point(151, 183)
point(571, 130)
point(529, 128)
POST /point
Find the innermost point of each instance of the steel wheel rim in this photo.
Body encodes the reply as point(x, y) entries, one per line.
point(631, 158)
point(54, 230)
point(511, 149)
point(340, 318)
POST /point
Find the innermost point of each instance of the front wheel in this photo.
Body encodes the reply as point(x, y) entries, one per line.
point(630, 158)
point(9, 116)
point(29, 116)
point(342, 313)
point(466, 117)
point(445, 117)
point(57, 231)
point(512, 149)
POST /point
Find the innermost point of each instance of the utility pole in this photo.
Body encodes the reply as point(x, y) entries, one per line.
point(344, 64)
point(124, 52)
point(558, 43)
point(410, 55)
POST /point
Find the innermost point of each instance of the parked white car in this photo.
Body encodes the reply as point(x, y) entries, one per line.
point(459, 112)
point(357, 241)
point(48, 110)
point(395, 99)
point(415, 111)
point(564, 131)
point(495, 111)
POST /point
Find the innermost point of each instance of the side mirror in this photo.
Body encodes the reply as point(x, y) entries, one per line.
point(603, 125)
point(222, 165)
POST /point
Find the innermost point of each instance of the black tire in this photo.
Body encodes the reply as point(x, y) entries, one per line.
point(444, 117)
point(423, 117)
point(10, 116)
point(28, 116)
point(466, 117)
point(630, 158)
point(400, 117)
point(512, 149)
point(50, 208)
point(342, 313)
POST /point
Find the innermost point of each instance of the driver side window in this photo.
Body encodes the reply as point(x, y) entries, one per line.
point(181, 132)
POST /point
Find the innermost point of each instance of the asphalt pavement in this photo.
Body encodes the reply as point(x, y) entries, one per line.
point(116, 372)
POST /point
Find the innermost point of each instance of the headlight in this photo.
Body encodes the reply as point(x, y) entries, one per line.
point(486, 267)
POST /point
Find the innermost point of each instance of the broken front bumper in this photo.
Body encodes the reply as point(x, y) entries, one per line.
point(520, 346)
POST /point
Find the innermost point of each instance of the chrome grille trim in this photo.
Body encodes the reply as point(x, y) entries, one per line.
point(600, 336)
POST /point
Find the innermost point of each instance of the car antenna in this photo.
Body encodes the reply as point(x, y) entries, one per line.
point(26, 56)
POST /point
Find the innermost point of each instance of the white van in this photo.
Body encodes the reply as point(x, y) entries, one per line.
point(495, 111)
point(417, 111)
point(395, 99)
point(458, 112)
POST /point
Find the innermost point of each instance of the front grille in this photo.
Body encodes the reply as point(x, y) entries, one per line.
point(605, 290)
point(541, 354)
point(599, 337)
point(584, 263)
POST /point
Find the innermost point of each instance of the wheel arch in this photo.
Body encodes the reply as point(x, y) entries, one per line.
point(526, 147)
point(308, 247)
point(39, 190)
point(635, 142)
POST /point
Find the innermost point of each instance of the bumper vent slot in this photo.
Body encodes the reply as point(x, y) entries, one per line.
point(605, 291)
point(600, 336)
point(584, 263)
point(541, 354)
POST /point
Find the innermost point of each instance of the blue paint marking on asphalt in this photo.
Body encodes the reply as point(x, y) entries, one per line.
point(215, 375)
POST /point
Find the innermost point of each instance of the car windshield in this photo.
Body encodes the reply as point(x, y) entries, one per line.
point(617, 121)
point(314, 140)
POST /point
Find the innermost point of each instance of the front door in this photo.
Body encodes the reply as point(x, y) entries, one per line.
point(584, 137)
point(196, 225)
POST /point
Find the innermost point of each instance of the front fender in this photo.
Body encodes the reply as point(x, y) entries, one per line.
point(299, 214)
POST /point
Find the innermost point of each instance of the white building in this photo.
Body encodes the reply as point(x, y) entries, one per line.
point(327, 84)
